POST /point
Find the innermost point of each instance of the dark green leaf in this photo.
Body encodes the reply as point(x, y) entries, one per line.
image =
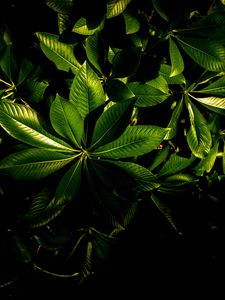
point(131, 22)
point(175, 164)
point(118, 91)
point(66, 120)
point(173, 123)
point(8, 63)
point(217, 88)
point(112, 123)
point(165, 71)
point(160, 157)
point(60, 6)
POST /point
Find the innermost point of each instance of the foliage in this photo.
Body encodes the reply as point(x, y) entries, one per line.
point(96, 120)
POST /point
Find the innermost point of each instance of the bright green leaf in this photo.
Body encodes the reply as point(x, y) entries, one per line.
point(33, 163)
point(176, 59)
point(61, 54)
point(131, 22)
point(83, 27)
point(116, 7)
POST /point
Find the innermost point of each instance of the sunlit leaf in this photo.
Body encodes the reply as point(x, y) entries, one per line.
point(116, 7)
point(177, 62)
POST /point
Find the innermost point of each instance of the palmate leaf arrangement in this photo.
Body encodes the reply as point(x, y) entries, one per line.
point(92, 139)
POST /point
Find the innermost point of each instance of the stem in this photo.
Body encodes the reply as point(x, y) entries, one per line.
point(55, 274)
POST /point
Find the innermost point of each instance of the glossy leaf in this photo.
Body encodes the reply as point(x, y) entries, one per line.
point(217, 88)
point(66, 120)
point(207, 163)
point(175, 164)
point(136, 140)
point(95, 50)
point(69, 185)
point(212, 102)
point(23, 123)
point(208, 54)
point(116, 7)
point(131, 22)
point(33, 163)
point(112, 123)
point(61, 54)
point(198, 136)
point(146, 94)
point(83, 27)
point(177, 62)
point(86, 91)
point(175, 118)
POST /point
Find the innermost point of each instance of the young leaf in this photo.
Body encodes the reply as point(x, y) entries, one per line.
point(116, 7)
point(146, 94)
point(135, 141)
point(198, 137)
point(33, 163)
point(69, 185)
point(207, 53)
point(173, 123)
point(66, 120)
point(23, 123)
point(175, 164)
point(176, 59)
point(61, 54)
point(131, 22)
point(112, 123)
point(207, 163)
point(86, 91)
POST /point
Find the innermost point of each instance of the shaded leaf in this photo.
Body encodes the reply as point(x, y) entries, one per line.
point(165, 71)
point(131, 22)
point(173, 123)
point(117, 90)
point(160, 157)
point(177, 62)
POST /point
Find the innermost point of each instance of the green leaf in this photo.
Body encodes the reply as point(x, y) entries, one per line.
point(61, 54)
point(223, 159)
point(212, 102)
point(33, 163)
point(135, 141)
point(207, 53)
point(8, 63)
point(95, 50)
point(165, 71)
point(23, 123)
point(32, 90)
point(207, 163)
point(131, 22)
point(146, 94)
point(159, 83)
point(86, 91)
point(217, 88)
point(198, 137)
point(63, 22)
point(116, 7)
point(175, 164)
point(83, 26)
point(177, 184)
point(112, 123)
point(26, 70)
point(69, 185)
point(144, 179)
point(165, 210)
point(60, 6)
point(159, 8)
point(41, 210)
point(66, 120)
point(121, 64)
point(176, 59)
point(117, 90)
point(173, 123)
point(160, 157)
